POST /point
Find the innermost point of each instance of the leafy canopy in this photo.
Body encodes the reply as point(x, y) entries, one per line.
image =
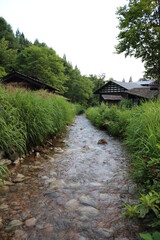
point(139, 24)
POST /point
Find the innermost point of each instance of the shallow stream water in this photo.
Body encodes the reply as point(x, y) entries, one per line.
point(75, 190)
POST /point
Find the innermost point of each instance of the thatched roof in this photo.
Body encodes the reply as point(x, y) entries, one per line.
point(143, 92)
point(33, 82)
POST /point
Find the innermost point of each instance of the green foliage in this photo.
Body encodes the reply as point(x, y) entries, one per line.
point(79, 109)
point(4, 173)
point(29, 118)
point(112, 119)
point(139, 24)
point(142, 139)
point(148, 236)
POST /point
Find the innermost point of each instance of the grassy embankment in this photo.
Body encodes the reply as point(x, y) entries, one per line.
point(140, 129)
point(28, 118)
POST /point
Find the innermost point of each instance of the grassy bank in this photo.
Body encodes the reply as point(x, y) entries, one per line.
point(139, 128)
point(28, 118)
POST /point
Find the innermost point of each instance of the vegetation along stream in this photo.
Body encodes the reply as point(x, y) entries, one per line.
point(75, 190)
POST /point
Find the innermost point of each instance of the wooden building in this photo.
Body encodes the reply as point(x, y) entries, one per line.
point(16, 79)
point(113, 91)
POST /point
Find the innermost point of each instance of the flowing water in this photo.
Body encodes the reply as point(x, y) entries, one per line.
point(76, 191)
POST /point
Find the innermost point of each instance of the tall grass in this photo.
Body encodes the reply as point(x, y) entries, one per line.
point(27, 118)
point(113, 119)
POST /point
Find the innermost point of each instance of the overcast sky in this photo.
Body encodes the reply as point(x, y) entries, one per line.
point(84, 30)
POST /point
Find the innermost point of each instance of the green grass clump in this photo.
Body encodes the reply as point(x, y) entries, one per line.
point(113, 119)
point(28, 118)
point(143, 141)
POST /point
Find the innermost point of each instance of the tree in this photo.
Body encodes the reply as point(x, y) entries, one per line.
point(7, 55)
point(7, 33)
point(130, 79)
point(43, 63)
point(139, 24)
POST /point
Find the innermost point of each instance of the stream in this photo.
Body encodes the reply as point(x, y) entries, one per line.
point(74, 190)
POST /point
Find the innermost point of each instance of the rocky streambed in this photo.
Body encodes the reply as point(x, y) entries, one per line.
point(74, 190)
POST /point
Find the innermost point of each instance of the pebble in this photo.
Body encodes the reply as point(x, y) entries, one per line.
point(107, 233)
point(52, 173)
point(88, 211)
point(72, 204)
point(13, 225)
point(20, 234)
point(30, 222)
point(86, 200)
point(57, 183)
point(19, 178)
point(5, 161)
point(4, 206)
point(58, 150)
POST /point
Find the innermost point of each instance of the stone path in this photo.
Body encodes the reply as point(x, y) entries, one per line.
point(75, 190)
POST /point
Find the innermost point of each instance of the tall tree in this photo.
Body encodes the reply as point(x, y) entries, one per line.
point(43, 63)
point(7, 33)
point(139, 24)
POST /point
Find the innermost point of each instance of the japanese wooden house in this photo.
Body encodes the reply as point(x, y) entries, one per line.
point(19, 80)
point(113, 91)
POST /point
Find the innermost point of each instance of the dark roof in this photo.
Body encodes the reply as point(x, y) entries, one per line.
point(128, 85)
point(36, 83)
point(125, 85)
point(112, 97)
point(143, 92)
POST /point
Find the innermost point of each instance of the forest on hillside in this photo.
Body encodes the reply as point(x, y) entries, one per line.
point(42, 62)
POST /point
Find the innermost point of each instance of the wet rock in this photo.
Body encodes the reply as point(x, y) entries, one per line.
point(5, 161)
point(52, 173)
point(37, 167)
point(19, 178)
point(58, 150)
point(72, 204)
point(20, 235)
point(30, 222)
point(17, 162)
point(86, 200)
point(74, 185)
point(82, 238)
point(13, 225)
point(8, 183)
point(44, 177)
point(50, 181)
point(109, 197)
point(105, 233)
point(58, 183)
point(102, 141)
point(37, 155)
point(96, 184)
point(88, 211)
point(3, 206)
